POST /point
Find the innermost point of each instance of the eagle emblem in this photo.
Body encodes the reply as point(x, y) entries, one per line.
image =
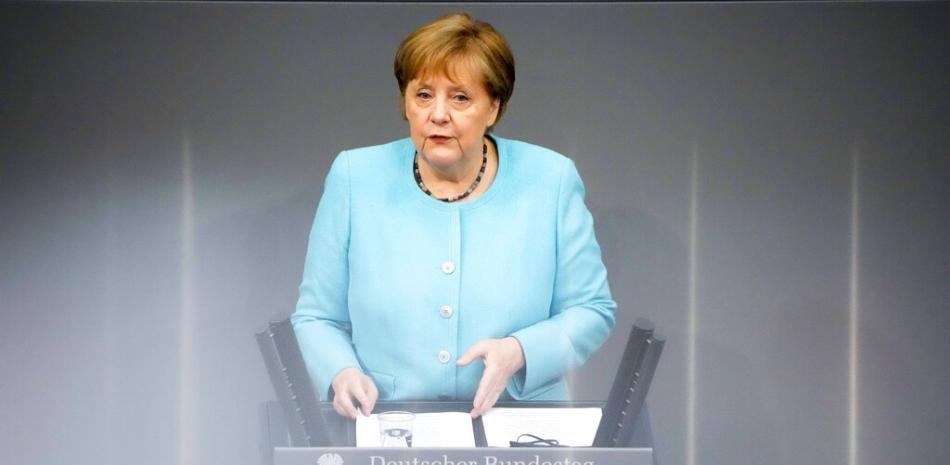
point(330, 459)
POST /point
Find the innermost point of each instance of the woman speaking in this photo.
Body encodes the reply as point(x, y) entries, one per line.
point(452, 264)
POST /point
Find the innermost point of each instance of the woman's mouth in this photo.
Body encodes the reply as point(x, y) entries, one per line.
point(439, 139)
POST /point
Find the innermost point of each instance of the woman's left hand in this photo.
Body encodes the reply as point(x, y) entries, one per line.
point(503, 358)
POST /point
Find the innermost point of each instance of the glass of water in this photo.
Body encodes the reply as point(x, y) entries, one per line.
point(395, 429)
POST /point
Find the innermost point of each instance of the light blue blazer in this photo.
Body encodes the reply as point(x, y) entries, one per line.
point(401, 285)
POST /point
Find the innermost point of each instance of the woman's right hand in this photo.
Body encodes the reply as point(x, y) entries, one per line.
point(350, 387)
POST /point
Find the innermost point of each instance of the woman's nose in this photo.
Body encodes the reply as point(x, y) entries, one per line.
point(440, 111)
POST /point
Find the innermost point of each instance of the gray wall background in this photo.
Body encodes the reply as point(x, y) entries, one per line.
point(764, 178)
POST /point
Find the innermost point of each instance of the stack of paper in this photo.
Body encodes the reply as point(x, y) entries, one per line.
point(574, 427)
point(569, 426)
point(443, 429)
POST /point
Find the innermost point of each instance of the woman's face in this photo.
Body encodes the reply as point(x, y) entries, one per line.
point(447, 119)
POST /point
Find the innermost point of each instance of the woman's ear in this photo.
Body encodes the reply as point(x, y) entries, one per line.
point(495, 106)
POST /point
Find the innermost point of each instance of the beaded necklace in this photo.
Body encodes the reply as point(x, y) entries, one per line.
point(451, 198)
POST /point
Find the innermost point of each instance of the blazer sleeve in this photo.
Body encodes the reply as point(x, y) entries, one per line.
point(582, 310)
point(322, 319)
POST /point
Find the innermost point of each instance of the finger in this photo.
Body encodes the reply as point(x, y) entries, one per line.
point(343, 404)
point(489, 400)
point(487, 403)
point(338, 404)
point(492, 400)
point(482, 389)
point(337, 407)
point(476, 351)
point(369, 387)
point(485, 386)
point(362, 397)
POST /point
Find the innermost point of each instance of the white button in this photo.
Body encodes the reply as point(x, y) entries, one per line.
point(446, 311)
point(448, 267)
point(444, 356)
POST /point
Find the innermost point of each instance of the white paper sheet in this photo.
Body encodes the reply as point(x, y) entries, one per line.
point(570, 426)
point(443, 429)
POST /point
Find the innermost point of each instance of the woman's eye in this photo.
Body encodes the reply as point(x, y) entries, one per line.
point(423, 95)
point(461, 98)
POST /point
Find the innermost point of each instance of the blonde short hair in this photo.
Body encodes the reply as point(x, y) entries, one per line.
point(451, 39)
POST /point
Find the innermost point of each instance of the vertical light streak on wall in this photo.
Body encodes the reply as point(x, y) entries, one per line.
point(111, 327)
point(187, 402)
point(691, 316)
point(853, 313)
